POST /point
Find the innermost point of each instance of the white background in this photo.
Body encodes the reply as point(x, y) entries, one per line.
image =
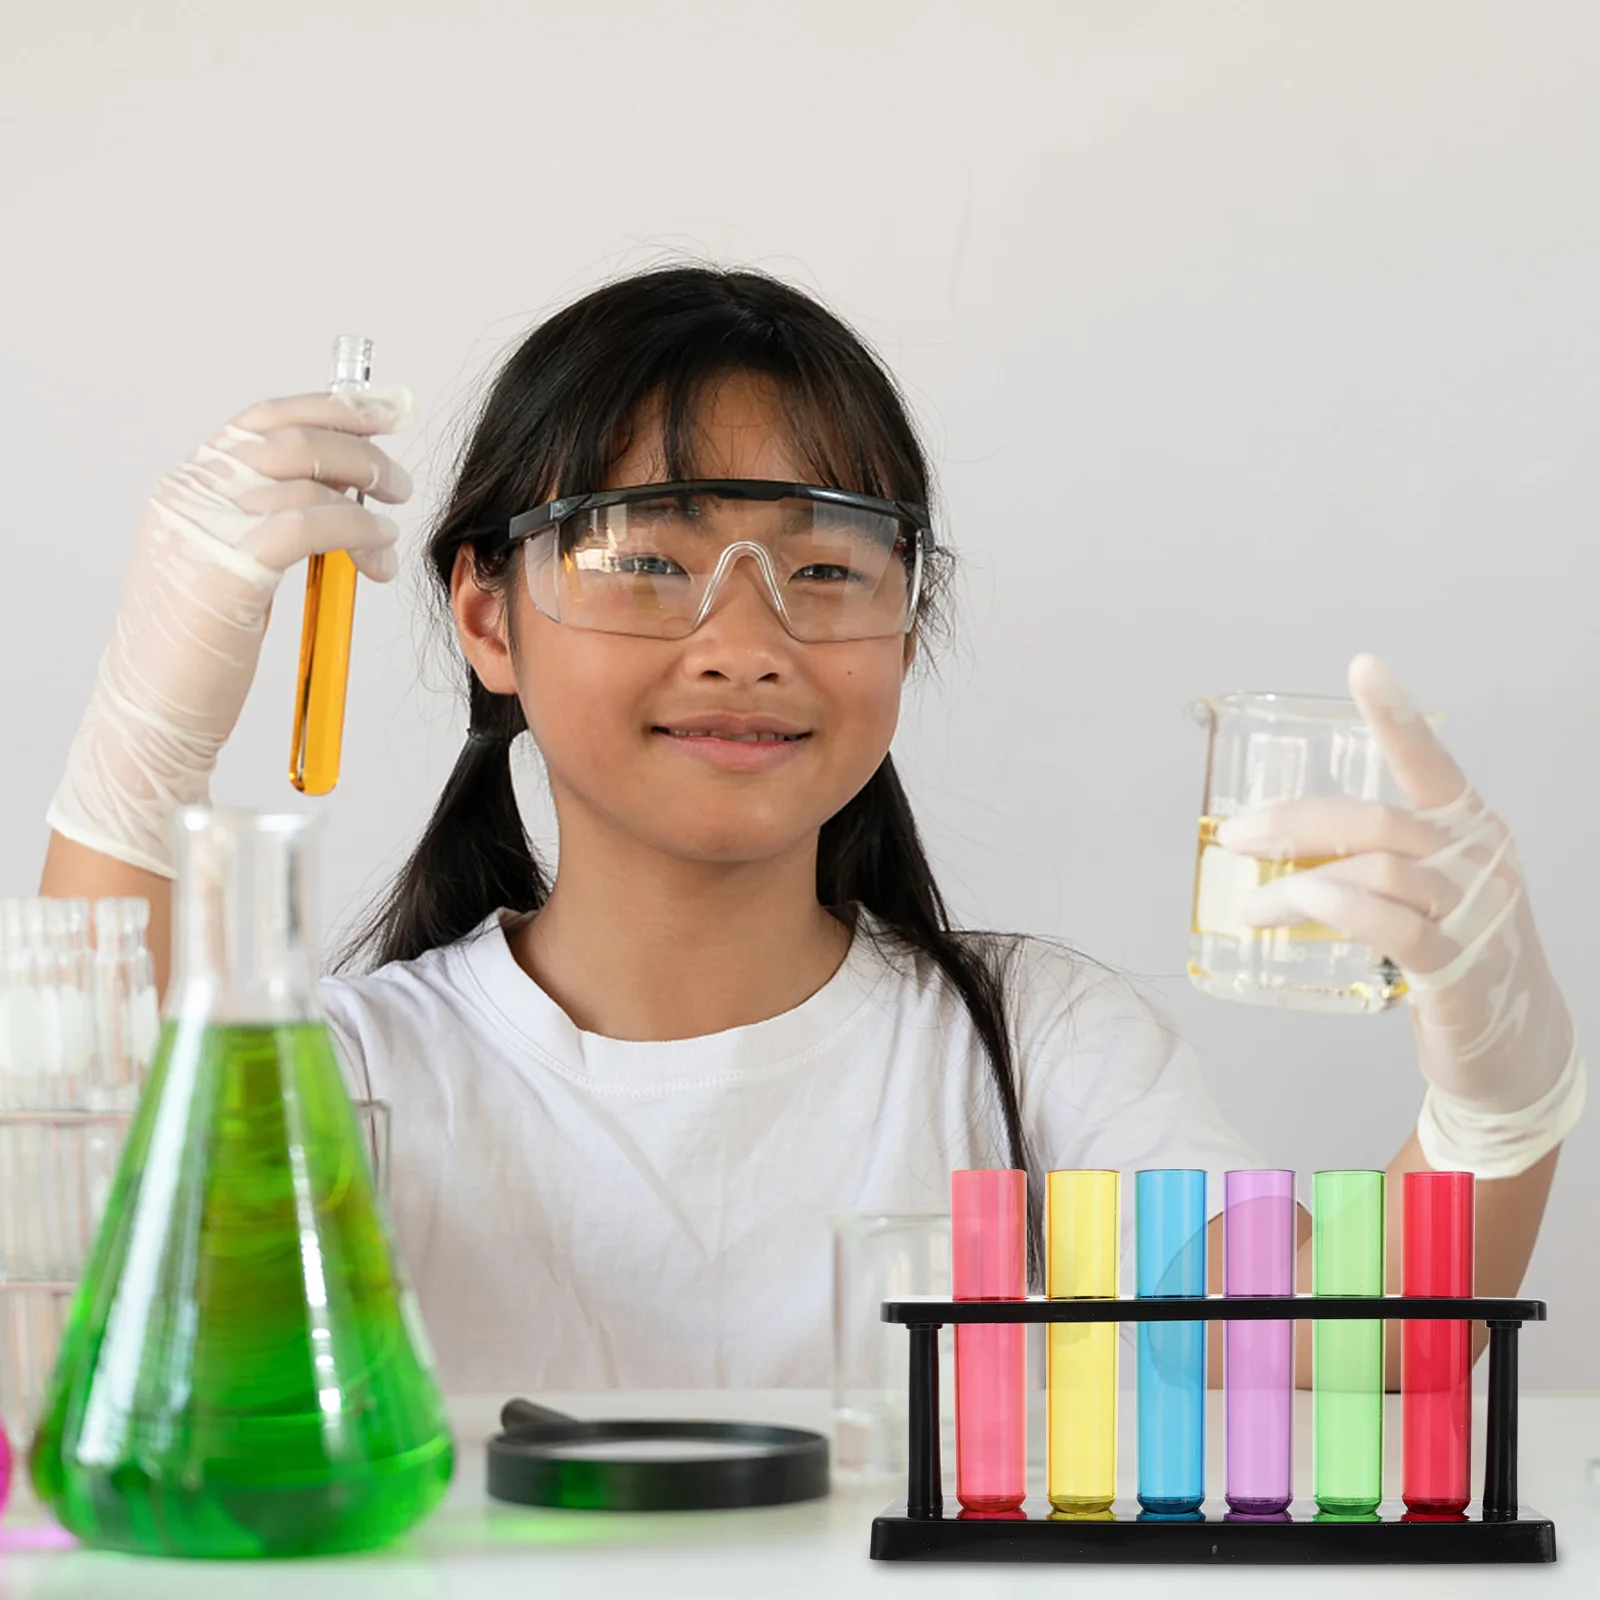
point(1245, 335)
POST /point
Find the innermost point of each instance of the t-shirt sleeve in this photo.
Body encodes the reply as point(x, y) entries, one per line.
point(1107, 1081)
point(341, 1007)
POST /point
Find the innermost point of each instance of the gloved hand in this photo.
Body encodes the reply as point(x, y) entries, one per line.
point(217, 535)
point(1438, 889)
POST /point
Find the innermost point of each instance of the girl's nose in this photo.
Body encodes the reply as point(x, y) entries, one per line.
point(742, 637)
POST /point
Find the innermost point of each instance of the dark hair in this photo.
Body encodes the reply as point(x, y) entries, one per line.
point(555, 420)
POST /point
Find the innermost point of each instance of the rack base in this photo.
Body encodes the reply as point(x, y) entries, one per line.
point(1215, 1535)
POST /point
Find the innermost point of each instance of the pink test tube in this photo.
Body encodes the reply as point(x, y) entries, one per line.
point(1258, 1259)
point(1436, 1357)
point(988, 1241)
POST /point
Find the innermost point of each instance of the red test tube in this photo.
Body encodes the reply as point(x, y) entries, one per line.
point(1436, 1357)
point(988, 1241)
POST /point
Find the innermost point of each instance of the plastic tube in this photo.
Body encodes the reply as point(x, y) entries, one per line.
point(1347, 1357)
point(988, 1243)
point(1082, 1242)
point(1170, 1207)
point(327, 625)
point(1436, 1357)
point(1258, 1258)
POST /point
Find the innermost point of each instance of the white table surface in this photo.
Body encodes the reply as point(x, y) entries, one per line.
point(473, 1548)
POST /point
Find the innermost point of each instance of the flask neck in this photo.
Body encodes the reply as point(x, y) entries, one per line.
point(245, 951)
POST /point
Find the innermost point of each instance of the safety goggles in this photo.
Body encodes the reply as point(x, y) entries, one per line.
point(651, 559)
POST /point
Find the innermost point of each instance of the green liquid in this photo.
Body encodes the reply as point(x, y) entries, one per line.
point(1347, 1357)
point(244, 1373)
point(1347, 1428)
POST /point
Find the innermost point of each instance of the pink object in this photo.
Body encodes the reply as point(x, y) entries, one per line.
point(1436, 1357)
point(1258, 1257)
point(989, 1261)
point(5, 1469)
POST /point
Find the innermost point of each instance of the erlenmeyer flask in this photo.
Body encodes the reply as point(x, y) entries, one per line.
point(244, 1372)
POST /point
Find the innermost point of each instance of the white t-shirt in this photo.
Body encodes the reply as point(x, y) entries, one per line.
point(577, 1212)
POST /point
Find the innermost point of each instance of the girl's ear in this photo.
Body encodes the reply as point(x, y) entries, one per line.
point(480, 617)
point(910, 653)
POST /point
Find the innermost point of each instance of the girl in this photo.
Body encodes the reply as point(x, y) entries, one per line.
point(687, 551)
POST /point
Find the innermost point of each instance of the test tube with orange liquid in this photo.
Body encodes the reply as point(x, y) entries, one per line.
point(325, 631)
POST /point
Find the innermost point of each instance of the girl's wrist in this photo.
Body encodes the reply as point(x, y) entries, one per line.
point(1457, 1136)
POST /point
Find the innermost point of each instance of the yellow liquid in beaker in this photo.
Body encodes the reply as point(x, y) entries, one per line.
point(1223, 880)
point(1307, 965)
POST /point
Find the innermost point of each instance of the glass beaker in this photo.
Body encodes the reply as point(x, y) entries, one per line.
point(1262, 748)
point(243, 1372)
point(880, 1256)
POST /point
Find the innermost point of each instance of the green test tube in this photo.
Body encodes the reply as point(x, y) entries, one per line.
point(1347, 1357)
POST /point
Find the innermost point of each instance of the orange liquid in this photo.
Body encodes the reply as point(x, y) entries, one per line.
point(324, 676)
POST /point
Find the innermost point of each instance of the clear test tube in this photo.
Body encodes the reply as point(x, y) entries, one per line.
point(327, 625)
point(1258, 1259)
point(1436, 1357)
point(1082, 1244)
point(1347, 1357)
point(988, 1261)
point(1170, 1218)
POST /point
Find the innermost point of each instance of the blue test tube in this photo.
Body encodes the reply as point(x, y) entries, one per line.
point(1170, 1213)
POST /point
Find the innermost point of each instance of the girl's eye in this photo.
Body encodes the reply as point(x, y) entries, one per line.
point(828, 572)
point(648, 566)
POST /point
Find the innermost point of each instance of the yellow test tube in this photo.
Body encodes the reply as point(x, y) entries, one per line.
point(1082, 1240)
point(326, 628)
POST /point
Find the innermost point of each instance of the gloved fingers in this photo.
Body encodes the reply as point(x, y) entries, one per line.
point(324, 455)
point(295, 532)
point(1300, 830)
point(1426, 772)
point(1398, 878)
point(381, 409)
point(1401, 932)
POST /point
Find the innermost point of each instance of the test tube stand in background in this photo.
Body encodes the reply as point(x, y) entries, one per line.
point(1347, 1357)
point(1082, 1243)
point(1258, 1259)
point(327, 627)
point(1170, 1219)
point(988, 1249)
point(1436, 1357)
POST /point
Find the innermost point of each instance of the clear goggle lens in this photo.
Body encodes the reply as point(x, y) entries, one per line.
point(654, 566)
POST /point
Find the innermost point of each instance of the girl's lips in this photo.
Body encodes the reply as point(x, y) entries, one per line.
point(735, 754)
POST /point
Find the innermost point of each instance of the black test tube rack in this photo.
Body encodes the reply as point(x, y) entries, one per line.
point(924, 1527)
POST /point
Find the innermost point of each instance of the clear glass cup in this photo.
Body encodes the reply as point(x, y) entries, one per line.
point(1262, 748)
point(880, 1256)
point(55, 1173)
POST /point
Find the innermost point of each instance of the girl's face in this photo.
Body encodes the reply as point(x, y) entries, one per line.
point(641, 735)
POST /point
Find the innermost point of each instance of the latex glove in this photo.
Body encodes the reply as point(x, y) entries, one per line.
point(1438, 889)
point(216, 537)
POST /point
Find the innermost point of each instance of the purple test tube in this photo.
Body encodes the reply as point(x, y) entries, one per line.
point(1258, 1258)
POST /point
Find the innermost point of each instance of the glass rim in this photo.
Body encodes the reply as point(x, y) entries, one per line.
point(1275, 703)
point(78, 1117)
point(837, 1219)
point(195, 819)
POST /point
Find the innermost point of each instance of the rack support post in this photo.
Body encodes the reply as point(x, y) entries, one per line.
point(1500, 1464)
point(924, 1494)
